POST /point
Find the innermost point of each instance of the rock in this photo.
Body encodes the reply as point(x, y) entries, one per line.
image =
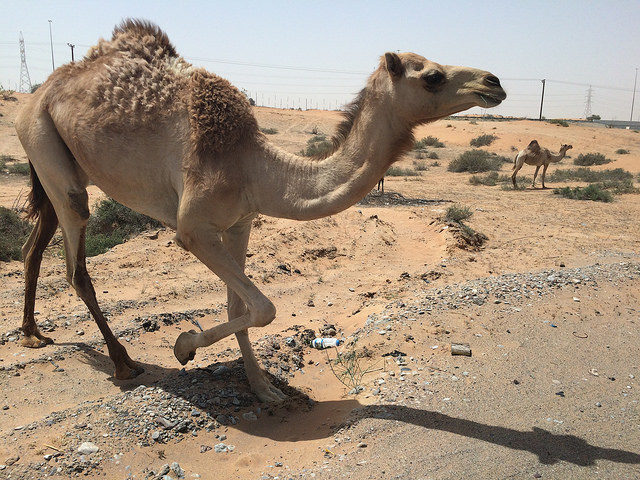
point(177, 469)
point(356, 390)
point(87, 448)
point(156, 436)
point(164, 470)
point(11, 460)
point(220, 447)
point(362, 445)
point(250, 416)
point(80, 332)
point(204, 448)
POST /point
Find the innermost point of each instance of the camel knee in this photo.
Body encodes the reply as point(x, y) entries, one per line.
point(264, 314)
point(79, 202)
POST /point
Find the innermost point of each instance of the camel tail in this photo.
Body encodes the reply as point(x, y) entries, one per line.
point(37, 196)
point(515, 161)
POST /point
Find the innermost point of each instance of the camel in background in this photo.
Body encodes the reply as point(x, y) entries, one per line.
point(533, 154)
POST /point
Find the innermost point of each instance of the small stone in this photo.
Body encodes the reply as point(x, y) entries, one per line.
point(362, 445)
point(576, 299)
point(87, 448)
point(11, 460)
point(220, 447)
point(80, 332)
point(598, 404)
point(155, 436)
point(175, 466)
point(204, 448)
point(250, 416)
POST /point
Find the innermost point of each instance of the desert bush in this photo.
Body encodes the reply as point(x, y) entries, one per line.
point(622, 151)
point(433, 155)
point(591, 192)
point(482, 140)
point(269, 131)
point(18, 169)
point(35, 87)
point(401, 172)
point(3, 165)
point(618, 187)
point(316, 146)
point(428, 142)
point(591, 159)
point(475, 161)
point(583, 174)
point(13, 233)
point(112, 224)
point(349, 368)
point(490, 179)
point(557, 121)
point(458, 213)
point(473, 122)
point(420, 166)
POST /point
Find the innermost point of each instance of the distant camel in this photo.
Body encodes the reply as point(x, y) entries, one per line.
point(381, 184)
point(182, 145)
point(534, 155)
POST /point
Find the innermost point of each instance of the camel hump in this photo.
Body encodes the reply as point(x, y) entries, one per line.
point(147, 33)
point(534, 146)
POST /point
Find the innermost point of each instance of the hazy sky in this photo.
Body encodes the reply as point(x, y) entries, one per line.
point(329, 48)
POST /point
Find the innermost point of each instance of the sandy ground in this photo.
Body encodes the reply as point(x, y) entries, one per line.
point(550, 391)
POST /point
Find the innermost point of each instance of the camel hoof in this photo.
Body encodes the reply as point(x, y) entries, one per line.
point(125, 372)
point(36, 341)
point(183, 347)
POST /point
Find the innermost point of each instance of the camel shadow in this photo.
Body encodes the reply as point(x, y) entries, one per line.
point(303, 419)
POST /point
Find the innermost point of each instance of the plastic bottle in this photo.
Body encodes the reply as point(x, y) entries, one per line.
point(321, 343)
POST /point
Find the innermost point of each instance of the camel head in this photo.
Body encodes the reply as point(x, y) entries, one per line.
point(424, 91)
point(565, 147)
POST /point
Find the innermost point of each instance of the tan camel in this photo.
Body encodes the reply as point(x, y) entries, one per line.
point(533, 154)
point(182, 145)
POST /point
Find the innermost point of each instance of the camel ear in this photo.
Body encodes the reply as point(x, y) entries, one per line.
point(393, 64)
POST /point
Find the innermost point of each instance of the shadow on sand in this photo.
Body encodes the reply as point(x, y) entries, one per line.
point(316, 420)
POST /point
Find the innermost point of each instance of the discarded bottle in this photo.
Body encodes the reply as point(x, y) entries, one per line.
point(321, 343)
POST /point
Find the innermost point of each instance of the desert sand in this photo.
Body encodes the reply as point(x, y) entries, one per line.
point(550, 307)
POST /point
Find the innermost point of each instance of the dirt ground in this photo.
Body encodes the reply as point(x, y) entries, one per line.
point(550, 307)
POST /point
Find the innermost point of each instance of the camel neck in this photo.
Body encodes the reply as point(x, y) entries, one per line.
point(301, 188)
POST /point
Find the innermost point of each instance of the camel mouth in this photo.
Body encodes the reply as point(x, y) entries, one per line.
point(490, 100)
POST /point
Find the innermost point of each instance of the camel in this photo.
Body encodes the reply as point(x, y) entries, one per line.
point(533, 154)
point(182, 145)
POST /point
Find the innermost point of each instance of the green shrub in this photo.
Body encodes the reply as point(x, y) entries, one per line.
point(618, 187)
point(317, 145)
point(622, 151)
point(428, 142)
point(18, 169)
point(584, 174)
point(558, 121)
point(111, 224)
point(490, 179)
point(591, 192)
point(433, 155)
point(401, 172)
point(591, 159)
point(475, 161)
point(457, 213)
point(269, 131)
point(3, 165)
point(482, 140)
point(420, 166)
point(13, 233)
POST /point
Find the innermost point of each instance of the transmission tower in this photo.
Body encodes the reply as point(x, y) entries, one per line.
point(25, 81)
point(587, 105)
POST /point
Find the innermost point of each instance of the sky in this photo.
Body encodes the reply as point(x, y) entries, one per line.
point(319, 54)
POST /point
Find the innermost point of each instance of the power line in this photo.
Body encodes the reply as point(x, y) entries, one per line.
point(25, 80)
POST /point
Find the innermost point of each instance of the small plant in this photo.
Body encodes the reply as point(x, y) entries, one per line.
point(19, 169)
point(490, 179)
point(420, 166)
point(3, 165)
point(622, 151)
point(473, 122)
point(317, 145)
point(457, 213)
point(591, 159)
point(428, 142)
point(432, 155)
point(348, 368)
point(314, 130)
point(557, 121)
point(112, 224)
point(618, 187)
point(482, 140)
point(35, 87)
point(269, 131)
point(401, 172)
point(435, 164)
point(449, 125)
point(13, 233)
point(475, 161)
point(591, 192)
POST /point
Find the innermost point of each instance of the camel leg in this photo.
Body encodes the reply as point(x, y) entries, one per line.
point(544, 173)
point(534, 176)
point(235, 241)
point(205, 242)
point(64, 184)
point(32, 253)
point(516, 168)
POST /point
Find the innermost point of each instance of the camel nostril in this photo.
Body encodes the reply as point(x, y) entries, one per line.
point(492, 81)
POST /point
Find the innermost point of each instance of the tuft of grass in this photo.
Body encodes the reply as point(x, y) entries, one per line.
point(269, 131)
point(475, 161)
point(591, 192)
point(557, 121)
point(428, 142)
point(618, 187)
point(490, 179)
point(420, 166)
point(19, 169)
point(316, 146)
point(112, 224)
point(591, 159)
point(13, 233)
point(349, 369)
point(622, 151)
point(457, 213)
point(401, 172)
point(482, 140)
point(584, 174)
point(7, 158)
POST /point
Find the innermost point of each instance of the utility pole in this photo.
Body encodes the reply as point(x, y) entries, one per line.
point(53, 66)
point(634, 95)
point(25, 80)
point(587, 107)
point(72, 46)
point(544, 80)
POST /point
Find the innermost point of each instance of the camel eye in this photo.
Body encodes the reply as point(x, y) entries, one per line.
point(433, 79)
